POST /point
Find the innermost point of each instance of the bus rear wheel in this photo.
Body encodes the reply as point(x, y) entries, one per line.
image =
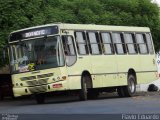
point(40, 98)
point(130, 89)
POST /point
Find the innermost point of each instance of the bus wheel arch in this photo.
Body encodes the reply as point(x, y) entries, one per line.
point(86, 84)
point(131, 71)
point(89, 79)
point(130, 89)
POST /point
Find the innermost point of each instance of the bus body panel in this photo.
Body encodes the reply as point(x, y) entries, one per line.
point(75, 71)
point(105, 70)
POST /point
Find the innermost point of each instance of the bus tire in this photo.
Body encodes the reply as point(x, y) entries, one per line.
point(130, 89)
point(40, 98)
point(92, 94)
point(83, 95)
point(120, 91)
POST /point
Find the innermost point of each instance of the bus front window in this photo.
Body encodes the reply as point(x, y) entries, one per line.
point(36, 54)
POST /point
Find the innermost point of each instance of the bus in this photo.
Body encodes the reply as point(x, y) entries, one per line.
point(83, 58)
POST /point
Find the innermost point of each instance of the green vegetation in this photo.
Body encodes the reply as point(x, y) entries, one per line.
point(18, 14)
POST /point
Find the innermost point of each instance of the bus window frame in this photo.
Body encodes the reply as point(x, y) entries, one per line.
point(102, 44)
point(145, 42)
point(152, 44)
point(73, 47)
point(116, 52)
point(134, 43)
point(89, 44)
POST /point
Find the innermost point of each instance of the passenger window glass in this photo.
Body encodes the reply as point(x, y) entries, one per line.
point(13, 53)
point(131, 46)
point(141, 43)
point(81, 43)
point(118, 43)
point(69, 50)
point(149, 43)
point(107, 44)
point(94, 43)
point(71, 46)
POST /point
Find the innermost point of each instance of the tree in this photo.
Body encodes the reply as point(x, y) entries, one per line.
point(142, 13)
point(18, 14)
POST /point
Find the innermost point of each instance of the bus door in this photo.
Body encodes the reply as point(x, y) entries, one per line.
point(73, 67)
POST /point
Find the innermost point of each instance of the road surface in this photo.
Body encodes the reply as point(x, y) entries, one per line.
point(142, 103)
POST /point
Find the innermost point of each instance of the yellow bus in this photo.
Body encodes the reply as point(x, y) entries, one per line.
point(85, 58)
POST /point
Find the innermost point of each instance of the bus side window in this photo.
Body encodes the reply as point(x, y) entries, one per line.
point(123, 43)
point(69, 50)
point(94, 43)
point(107, 43)
point(119, 43)
point(141, 43)
point(149, 43)
point(81, 43)
point(129, 40)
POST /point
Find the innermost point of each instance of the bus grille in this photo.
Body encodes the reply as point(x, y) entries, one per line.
point(32, 83)
point(45, 75)
point(28, 78)
point(38, 89)
point(43, 81)
point(37, 77)
point(37, 82)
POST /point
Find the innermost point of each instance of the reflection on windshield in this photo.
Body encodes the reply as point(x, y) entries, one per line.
point(36, 54)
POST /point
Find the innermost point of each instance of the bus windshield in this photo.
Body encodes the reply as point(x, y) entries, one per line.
point(36, 54)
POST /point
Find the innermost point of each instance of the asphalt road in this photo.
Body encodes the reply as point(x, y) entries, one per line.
point(142, 103)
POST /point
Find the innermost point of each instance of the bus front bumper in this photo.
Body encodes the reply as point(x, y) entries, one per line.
point(24, 90)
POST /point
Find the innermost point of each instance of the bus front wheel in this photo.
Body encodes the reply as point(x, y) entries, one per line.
point(40, 98)
point(84, 91)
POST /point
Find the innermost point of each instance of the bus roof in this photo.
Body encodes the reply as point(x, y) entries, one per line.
point(68, 26)
point(104, 27)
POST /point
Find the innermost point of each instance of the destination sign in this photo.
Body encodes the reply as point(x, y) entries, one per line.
point(36, 32)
